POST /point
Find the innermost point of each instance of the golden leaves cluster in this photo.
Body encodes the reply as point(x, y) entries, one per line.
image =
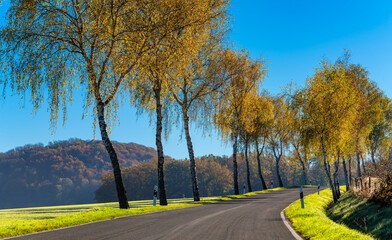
point(105, 47)
point(244, 76)
point(341, 106)
point(176, 61)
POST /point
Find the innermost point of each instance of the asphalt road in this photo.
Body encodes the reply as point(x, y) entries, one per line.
point(254, 217)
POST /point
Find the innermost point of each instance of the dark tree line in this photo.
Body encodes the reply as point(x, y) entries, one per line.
point(214, 176)
point(69, 172)
point(214, 180)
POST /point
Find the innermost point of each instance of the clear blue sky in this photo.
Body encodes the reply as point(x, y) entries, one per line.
point(292, 35)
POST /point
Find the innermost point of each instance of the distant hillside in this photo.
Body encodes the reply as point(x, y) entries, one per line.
point(64, 172)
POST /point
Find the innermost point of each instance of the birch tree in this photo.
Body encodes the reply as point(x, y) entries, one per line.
point(330, 108)
point(253, 129)
point(169, 67)
point(278, 137)
point(261, 126)
point(245, 130)
point(378, 138)
point(369, 112)
point(366, 110)
point(60, 45)
point(195, 91)
point(300, 136)
point(244, 77)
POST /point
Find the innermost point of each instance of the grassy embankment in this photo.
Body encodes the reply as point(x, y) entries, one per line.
point(367, 217)
point(313, 222)
point(15, 222)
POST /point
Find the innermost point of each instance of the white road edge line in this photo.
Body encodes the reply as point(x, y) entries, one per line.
point(288, 225)
point(105, 220)
point(149, 213)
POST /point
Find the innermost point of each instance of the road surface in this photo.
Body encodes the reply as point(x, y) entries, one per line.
point(254, 217)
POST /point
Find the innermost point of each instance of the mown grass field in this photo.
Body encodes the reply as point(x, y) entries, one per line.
point(313, 222)
point(365, 216)
point(15, 222)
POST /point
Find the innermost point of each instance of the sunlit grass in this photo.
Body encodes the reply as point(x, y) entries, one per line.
point(15, 222)
point(368, 217)
point(313, 223)
point(38, 213)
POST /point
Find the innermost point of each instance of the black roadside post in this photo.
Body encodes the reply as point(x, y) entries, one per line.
point(244, 191)
point(154, 202)
point(301, 195)
point(318, 189)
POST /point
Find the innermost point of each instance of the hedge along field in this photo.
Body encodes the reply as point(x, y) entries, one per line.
point(313, 223)
point(15, 222)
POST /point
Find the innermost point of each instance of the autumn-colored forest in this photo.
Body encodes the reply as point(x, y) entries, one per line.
point(214, 177)
point(63, 172)
point(77, 171)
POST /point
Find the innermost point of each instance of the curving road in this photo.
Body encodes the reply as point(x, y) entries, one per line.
point(255, 217)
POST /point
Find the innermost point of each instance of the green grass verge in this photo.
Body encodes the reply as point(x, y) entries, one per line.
point(313, 223)
point(15, 222)
point(367, 217)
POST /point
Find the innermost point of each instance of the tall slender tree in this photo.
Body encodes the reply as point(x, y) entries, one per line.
point(299, 136)
point(378, 138)
point(262, 124)
point(195, 91)
point(368, 113)
point(245, 131)
point(278, 138)
point(245, 75)
point(330, 107)
point(47, 44)
point(185, 30)
point(253, 127)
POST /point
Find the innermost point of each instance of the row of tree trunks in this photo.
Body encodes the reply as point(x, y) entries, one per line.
point(373, 159)
point(121, 192)
point(346, 174)
point(359, 174)
point(247, 166)
point(278, 172)
point(303, 164)
point(258, 154)
point(158, 141)
point(278, 152)
point(195, 188)
point(364, 166)
point(335, 176)
point(328, 171)
point(349, 171)
point(235, 165)
point(304, 174)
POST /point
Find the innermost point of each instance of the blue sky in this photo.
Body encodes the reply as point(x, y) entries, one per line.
point(292, 35)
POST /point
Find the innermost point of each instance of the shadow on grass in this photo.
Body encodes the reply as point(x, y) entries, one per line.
point(367, 217)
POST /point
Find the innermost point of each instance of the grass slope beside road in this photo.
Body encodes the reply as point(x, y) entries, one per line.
point(365, 216)
point(15, 222)
point(313, 223)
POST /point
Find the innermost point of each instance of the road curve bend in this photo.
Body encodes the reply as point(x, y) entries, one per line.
point(254, 217)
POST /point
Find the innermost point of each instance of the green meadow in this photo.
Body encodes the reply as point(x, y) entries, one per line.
point(368, 217)
point(312, 222)
point(20, 221)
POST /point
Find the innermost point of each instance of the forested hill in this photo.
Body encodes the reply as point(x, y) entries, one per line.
point(62, 172)
point(71, 172)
